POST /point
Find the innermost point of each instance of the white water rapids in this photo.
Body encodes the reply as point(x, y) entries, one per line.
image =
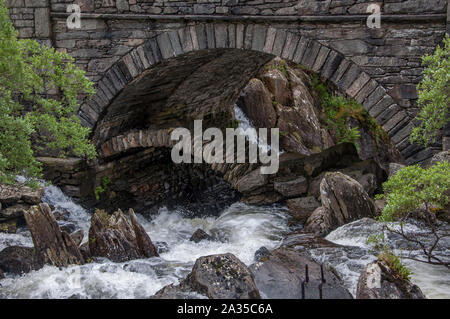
point(240, 229)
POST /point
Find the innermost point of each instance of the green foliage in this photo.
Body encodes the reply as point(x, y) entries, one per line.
point(100, 189)
point(399, 271)
point(414, 186)
point(378, 244)
point(434, 97)
point(28, 114)
point(338, 110)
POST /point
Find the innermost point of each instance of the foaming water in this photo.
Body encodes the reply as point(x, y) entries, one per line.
point(351, 259)
point(240, 230)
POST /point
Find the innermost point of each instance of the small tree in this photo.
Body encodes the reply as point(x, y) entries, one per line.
point(413, 188)
point(28, 114)
point(434, 95)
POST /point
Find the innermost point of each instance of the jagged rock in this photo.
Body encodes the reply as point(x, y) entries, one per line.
point(261, 253)
point(278, 84)
point(287, 274)
point(222, 277)
point(116, 238)
point(18, 260)
point(344, 200)
point(257, 104)
point(293, 187)
point(10, 194)
point(54, 246)
point(77, 236)
point(199, 235)
point(301, 208)
point(378, 281)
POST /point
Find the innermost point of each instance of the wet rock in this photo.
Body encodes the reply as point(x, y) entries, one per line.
point(77, 236)
point(10, 194)
point(84, 250)
point(257, 104)
point(301, 208)
point(288, 274)
point(344, 200)
point(292, 188)
point(18, 260)
point(177, 292)
point(199, 235)
point(53, 245)
point(162, 247)
point(118, 239)
point(60, 216)
point(261, 253)
point(222, 277)
point(67, 227)
point(2, 275)
point(379, 281)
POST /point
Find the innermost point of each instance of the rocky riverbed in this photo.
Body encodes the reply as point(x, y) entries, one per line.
point(240, 230)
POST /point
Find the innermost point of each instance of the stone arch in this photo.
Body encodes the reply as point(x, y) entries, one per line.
point(268, 40)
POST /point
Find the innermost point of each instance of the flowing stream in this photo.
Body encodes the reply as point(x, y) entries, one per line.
point(240, 229)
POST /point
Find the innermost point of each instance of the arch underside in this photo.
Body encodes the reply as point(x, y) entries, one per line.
point(198, 72)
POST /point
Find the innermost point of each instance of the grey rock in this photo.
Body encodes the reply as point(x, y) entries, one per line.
point(288, 274)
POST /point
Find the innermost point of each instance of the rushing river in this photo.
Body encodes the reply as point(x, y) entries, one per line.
point(240, 229)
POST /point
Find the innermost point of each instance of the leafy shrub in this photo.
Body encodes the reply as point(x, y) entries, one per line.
point(29, 114)
point(414, 186)
point(434, 97)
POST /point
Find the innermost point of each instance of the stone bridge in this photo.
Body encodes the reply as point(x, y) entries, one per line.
point(160, 64)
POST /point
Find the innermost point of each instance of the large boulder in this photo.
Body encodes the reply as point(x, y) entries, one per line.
point(379, 281)
point(343, 200)
point(117, 238)
point(287, 274)
point(54, 246)
point(276, 80)
point(222, 277)
point(218, 277)
point(18, 260)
